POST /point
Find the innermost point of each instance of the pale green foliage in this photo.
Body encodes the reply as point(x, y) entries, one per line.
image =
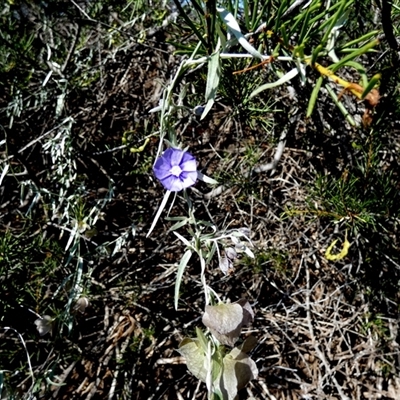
point(208, 360)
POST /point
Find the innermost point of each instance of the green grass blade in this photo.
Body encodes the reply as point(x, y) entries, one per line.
point(279, 15)
point(334, 20)
point(315, 54)
point(189, 22)
point(356, 53)
point(341, 107)
point(305, 27)
point(246, 13)
point(371, 84)
point(363, 38)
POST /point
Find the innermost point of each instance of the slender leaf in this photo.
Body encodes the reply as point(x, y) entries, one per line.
point(4, 172)
point(306, 26)
point(179, 224)
point(341, 107)
point(354, 54)
point(181, 268)
point(278, 23)
point(363, 38)
point(189, 22)
point(206, 178)
point(286, 78)
point(315, 54)
point(333, 20)
point(285, 36)
point(234, 28)
point(374, 80)
point(321, 16)
point(159, 211)
point(184, 241)
point(213, 76)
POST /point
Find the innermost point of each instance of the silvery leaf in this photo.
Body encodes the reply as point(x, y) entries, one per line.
point(230, 253)
point(225, 265)
point(225, 321)
point(44, 325)
point(190, 349)
point(238, 370)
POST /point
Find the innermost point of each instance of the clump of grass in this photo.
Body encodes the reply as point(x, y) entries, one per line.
point(364, 197)
point(29, 267)
point(27, 261)
point(362, 201)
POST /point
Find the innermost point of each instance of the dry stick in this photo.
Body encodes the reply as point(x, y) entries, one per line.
point(266, 391)
point(31, 143)
point(178, 395)
point(387, 24)
point(278, 154)
point(293, 344)
point(72, 48)
point(119, 353)
point(196, 390)
point(62, 378)
point(83, 11)
point(320, 354)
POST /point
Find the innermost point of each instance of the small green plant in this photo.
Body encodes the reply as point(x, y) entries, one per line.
point(273, 259)
point(317, 29)
point(376, 326)
point(287, 45)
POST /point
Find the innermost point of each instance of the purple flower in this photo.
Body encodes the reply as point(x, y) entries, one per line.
point(176, 169)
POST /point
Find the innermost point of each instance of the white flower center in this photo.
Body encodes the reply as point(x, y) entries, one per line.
point(176, 171)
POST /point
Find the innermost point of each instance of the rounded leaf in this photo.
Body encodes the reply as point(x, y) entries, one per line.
point(44, 325)
point(194, 356)
point(225, 321)
point(239, 370)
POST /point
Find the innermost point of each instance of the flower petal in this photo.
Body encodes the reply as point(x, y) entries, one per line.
point(169, 162)
point(188, 178)
point(189, 165)
point(162, 168)
point(187, 157)
point(174, 156)
point(172, 183)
